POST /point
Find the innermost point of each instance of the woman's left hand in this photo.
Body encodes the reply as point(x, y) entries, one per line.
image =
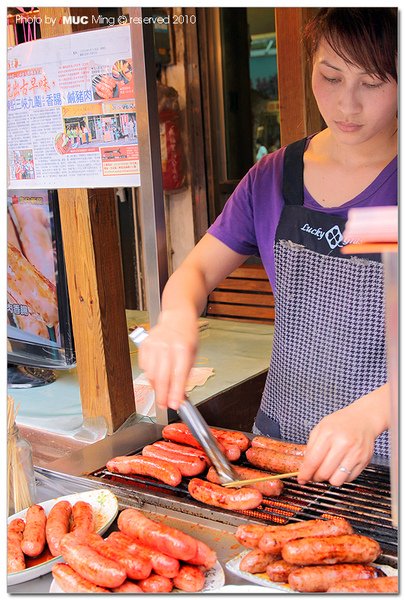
point(341, 445)
point(338, 449)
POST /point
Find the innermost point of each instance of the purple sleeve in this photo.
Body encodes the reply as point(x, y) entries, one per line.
point(235, 225)
point(250, 217)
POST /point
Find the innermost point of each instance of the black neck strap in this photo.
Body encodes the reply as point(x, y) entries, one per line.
point(293, 173)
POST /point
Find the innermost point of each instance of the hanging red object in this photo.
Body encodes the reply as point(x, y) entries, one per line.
point(171, 145)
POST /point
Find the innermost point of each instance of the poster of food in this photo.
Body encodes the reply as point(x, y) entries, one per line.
point(32, 302)
point(71, 112)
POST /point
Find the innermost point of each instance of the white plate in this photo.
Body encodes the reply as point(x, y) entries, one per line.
point(263, 580)
point(105, 506)
point(214, 580)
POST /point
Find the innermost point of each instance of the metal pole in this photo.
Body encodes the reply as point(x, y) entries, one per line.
point(153, 227)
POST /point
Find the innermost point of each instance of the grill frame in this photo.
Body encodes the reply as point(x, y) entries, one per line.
point(366, 502)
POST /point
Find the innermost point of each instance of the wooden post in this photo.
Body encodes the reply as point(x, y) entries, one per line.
point(91, 248)
point(299, 115)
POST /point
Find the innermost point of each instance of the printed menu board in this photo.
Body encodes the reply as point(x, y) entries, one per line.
point(71, 112)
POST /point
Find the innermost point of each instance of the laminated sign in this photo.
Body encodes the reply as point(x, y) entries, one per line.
point(71, 112)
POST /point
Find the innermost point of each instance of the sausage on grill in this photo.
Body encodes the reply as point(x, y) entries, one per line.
point(229, 498)
point(267, 488)
point(260, 441)
point(330, 550)
point(320, 579)
point(144, 465)
point(270, 460)
point(188, 466)
point(182, 449)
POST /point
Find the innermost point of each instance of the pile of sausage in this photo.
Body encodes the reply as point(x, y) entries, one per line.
point(143, 556)
point(39, 532)
point(315, 556)
point(182, 456)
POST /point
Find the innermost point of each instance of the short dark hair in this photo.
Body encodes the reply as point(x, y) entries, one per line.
point(365, 37)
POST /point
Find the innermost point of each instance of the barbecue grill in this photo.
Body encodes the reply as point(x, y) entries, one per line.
point(366, 502)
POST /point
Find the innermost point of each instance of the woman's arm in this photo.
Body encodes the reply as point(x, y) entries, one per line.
point(168, 353)
point(346, 439)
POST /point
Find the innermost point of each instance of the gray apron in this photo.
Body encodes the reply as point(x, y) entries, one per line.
point(329, 335)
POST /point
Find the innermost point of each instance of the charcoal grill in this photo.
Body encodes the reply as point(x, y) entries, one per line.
point(366, 502)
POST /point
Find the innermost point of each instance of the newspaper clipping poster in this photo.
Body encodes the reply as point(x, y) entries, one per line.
point(71, 112)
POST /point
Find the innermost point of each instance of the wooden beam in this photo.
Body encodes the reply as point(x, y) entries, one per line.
point(96, 293)
point(89, 230)
point(299, 115)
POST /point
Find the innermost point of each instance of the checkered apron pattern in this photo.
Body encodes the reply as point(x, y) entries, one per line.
point(329, 338)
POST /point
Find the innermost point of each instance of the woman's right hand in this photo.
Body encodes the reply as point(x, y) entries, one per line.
point(167, 355)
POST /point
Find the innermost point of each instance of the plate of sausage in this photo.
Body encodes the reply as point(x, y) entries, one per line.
point(312, 556)
point(33, 534)
point(144, 555)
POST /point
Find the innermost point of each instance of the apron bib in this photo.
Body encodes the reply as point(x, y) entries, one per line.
point(329, 335)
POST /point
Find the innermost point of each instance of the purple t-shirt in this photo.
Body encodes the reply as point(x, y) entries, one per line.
point(250, 217)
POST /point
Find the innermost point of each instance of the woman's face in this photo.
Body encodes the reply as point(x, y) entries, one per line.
point(357, 107)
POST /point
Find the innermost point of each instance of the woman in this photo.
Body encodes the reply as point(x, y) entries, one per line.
point(326, 384)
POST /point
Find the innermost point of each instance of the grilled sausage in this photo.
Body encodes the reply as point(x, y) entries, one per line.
point(229, 498)
point(156, 584)
point(161, 537)
point(228, 437)
point(272, 542)
point(330, 550)
point(161, 563)
point(189, 579)
point(136, 567)
point(270, 460)
point(320, 579)
point(382, 585)
point(205, 556)
point(90, 564)
point(181, 449)
point(260, 441)
point(34, 538)
point(187, 465)
point(144, 465)
point(180, 433)
point(83, 518)
point(15, 555)
point(279, 571)
point(71, 582)
point(267, 488)
point(57, 525)
point(128, 587)
point(256, 561)
point(250, 535)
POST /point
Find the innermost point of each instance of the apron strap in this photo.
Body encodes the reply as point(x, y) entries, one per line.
point(293, 173)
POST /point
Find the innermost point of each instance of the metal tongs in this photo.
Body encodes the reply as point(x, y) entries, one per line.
point(198, 427)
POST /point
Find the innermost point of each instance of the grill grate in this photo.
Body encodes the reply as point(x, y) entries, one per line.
point(366, 502)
